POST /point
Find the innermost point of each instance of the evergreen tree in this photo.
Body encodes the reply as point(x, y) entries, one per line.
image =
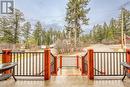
point(26, 33)
point(38, 31)
point(126, 21)
point(6, 31)
point(76, 17)
point(16, 19)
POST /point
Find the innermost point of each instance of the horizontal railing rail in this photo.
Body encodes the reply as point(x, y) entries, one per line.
point(108, 63)
point(67, 56)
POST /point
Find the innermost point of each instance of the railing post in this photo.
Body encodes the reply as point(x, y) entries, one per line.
point(80, 64)
point(128, 60)
point(60, 61)
point(82, 69)
point(47, 73)
point(55, 65)
point(77, 62)
point(90, 64)
point(6, 58)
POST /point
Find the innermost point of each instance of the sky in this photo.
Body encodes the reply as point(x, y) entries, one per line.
point(52, 12)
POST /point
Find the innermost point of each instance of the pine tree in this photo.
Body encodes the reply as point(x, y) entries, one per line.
point(126, 19)
point(76, 17)
point(38, 33)
point(26, 33)
point(6, 31)
point(16, 19)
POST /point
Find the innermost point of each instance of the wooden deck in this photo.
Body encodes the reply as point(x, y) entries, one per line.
point(73, 79)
